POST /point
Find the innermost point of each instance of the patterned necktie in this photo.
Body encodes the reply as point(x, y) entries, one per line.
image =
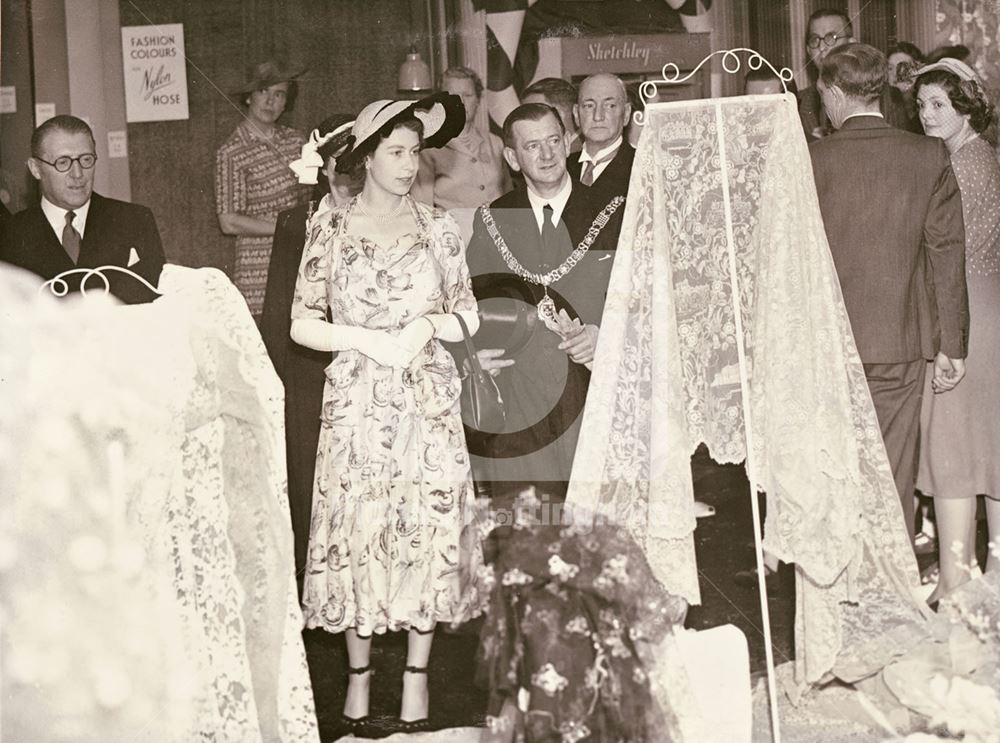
point(587, 177)
point(71, 238)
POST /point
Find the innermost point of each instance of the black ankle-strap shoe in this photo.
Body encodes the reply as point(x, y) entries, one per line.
point(414, 726)
point(356, 726)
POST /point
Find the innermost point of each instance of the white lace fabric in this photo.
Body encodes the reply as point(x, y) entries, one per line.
point(207, 634)
point(722, 196)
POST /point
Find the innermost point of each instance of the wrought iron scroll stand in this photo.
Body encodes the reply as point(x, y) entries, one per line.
point(58, 287)
point(671, 75)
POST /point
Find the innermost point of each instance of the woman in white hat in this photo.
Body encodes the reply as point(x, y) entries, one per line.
point(391, 545)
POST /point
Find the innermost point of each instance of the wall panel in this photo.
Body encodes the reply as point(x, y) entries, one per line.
point(352, 48)
point(16, 185)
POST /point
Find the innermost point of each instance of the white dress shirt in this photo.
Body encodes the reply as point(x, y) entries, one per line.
point(57, 217)
point(599, 166)
point(557, 202)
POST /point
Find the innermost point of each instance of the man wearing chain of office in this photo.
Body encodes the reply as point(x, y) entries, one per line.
point(540, 257)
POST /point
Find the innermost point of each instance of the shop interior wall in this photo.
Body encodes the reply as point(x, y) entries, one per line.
point(16, 186)
point(352, 49)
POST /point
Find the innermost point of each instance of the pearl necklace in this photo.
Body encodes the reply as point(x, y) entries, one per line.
point(380, 217)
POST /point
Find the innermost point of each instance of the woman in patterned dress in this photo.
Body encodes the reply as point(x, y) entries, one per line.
point(391, 546)
point(961, 428)
point(252, 177)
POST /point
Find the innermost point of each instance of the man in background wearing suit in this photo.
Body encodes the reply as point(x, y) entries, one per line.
point(893, 218)
point(73, 227)
point(604, 165)
point(827, 29)
point(537, 229)
point(561, 95)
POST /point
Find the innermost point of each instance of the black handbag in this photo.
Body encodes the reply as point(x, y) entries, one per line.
point(482, 405)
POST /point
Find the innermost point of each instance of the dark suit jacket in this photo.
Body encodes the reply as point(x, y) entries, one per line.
point(893, 106)
point(544, 391)
point(301, 370)
point(612, 181)
point(113, 229)
point(893, 217)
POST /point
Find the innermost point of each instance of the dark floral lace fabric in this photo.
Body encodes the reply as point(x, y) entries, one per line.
point(568, 606)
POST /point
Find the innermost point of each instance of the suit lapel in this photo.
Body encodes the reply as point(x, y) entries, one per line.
point(94, 250)
point(613, 170)
point(575, 213)
point(619, 169)
point(51, 257)
point(520, 230)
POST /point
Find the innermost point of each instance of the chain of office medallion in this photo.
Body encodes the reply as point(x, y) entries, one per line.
point(546, 279)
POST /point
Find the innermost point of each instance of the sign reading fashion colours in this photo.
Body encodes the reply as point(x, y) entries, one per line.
point(155, 73)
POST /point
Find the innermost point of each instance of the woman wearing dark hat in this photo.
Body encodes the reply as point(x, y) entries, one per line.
point(252, 179)
point(392, 543)
point(301, 369)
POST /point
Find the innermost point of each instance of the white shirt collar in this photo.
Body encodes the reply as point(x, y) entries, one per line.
point(876, 114)
point(602, 154)
point(57, 217)
point(557, 202)
point(584, 156)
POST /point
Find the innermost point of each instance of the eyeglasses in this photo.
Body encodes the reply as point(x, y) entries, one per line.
point(829, 40)
point(64, 163)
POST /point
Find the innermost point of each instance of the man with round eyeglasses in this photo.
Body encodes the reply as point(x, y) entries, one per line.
point(826, 30)
point(72, 227)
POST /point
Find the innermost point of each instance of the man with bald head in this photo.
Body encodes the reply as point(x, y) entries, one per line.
point(604, 165)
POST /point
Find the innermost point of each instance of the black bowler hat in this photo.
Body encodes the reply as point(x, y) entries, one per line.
point(507, 312)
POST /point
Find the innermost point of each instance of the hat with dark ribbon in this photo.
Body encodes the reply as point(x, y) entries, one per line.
point(442, 115)
point(327, 140)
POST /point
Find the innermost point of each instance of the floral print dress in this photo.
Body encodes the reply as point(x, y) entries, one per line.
point(392, 543)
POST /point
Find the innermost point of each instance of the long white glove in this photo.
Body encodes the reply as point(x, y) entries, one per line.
point(414, 336)
point(446, 327)
point(379, 345)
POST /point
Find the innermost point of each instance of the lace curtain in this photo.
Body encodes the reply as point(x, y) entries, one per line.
point(722, 205)
point(146, 576)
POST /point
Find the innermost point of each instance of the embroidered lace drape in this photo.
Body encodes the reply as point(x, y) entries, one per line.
point(721, 197)
point(147, 581)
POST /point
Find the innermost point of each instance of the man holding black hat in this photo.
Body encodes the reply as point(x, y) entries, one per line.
point(541, 258)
